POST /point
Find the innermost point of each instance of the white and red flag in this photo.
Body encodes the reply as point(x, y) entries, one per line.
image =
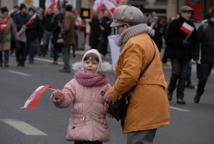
point(186, 28)
point(3, 23)
point(31, 21)
point(34, 98)
point(110, 6)
point(51, 4)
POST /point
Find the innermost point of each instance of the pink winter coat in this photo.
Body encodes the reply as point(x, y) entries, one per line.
point(88, 113)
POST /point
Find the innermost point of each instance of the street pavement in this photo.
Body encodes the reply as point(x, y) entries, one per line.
point(190, 123)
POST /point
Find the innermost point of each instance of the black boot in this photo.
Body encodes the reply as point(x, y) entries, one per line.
point(169, 96)
point(180, 101)
point(197, 99)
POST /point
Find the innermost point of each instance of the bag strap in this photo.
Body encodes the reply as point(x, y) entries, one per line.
point(146, 67)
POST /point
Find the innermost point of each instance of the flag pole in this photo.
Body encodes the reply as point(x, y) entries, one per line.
point(188, 35)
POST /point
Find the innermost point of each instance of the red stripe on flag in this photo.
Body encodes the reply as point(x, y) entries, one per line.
point(185, 30)
point(33, 100)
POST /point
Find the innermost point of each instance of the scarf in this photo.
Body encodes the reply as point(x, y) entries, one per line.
point(90, 80)
point(132, 31)
point(3, 23)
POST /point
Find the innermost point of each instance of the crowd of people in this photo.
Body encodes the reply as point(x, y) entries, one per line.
point(29, 31)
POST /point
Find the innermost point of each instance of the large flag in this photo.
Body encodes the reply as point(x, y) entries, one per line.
point(110, 6)
point(186, 28)
point(29, 3)
point(34, 98)
point(197, 6)
point(51, 4)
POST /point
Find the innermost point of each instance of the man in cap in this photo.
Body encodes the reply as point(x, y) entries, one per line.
point(148, 107)
point(206, 40)
point(180, 39)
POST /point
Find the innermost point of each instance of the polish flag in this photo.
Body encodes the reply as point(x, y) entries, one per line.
point(51, 4)
point(34, 98)
point(186, 28)
point(31, 21)
point(98, 5)
point(110, 6)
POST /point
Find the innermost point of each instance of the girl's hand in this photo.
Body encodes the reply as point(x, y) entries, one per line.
point(57, 96)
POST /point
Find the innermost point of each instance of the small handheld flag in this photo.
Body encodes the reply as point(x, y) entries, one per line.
point(34, 98)
point(186, 28)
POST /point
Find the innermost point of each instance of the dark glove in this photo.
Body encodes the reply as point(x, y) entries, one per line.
point(185, 43)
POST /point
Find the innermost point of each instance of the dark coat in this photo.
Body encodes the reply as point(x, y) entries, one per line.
point(95, 33)
point(174, 40)
point(20, 20)
point(205, 35)
point(33, 32)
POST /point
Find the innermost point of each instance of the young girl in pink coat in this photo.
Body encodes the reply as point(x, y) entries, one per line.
point(86, 93)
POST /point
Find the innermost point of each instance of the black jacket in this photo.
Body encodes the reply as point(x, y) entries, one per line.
point(205, 35)
point(174, 41)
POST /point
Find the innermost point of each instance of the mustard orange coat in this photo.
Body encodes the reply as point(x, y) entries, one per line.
point(148, 107)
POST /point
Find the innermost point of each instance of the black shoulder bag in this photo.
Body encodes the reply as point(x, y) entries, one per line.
point(119, 108)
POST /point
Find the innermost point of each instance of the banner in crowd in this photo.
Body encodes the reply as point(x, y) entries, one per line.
point(109, 5)
point(197, 6)
point(29, 3)
point(51, 4)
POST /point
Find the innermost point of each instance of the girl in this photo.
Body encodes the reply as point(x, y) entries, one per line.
point(86, 93)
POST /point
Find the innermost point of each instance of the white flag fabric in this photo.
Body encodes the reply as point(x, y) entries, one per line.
point(115, 49)
point(110, 6)
point(34, 98)
point(186, 28)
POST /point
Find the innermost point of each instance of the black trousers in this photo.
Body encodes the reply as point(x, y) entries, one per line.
point(178, 77)
point(21, 52)
point(87, 142)
point(203, 73)
point(4, 57)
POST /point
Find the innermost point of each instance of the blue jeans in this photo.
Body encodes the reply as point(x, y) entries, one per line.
point(178, 75)
point(47, 36)
point(203, 73)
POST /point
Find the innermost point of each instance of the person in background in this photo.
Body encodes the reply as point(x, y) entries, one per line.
point(21, 20)
point(158, 31)
point(105, 28)
point(206, 46)
point(57, 39)
point(48, 31)
point(33, 27)
point(13, 12)
point(86, 93)
point(181, 45)
point(7, 29)
point(68, 35)
point(94, 32)
point(148, 107)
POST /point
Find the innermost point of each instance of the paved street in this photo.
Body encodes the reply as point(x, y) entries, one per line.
point(190, 124)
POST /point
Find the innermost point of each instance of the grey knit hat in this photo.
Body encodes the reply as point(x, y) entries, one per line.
point(127, 14)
